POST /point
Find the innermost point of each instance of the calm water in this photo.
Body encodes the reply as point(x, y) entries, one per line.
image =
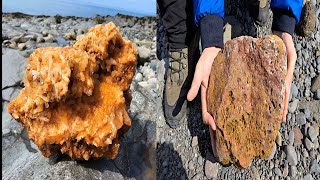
point(82, 8)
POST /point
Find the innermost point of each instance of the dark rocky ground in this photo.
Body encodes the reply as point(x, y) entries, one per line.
point(21, 35)
point(182, 153)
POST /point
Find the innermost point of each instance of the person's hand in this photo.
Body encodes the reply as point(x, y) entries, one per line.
point(291, 61)
point(201, 77)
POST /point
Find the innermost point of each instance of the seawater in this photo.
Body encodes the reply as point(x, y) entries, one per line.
point(65, 8)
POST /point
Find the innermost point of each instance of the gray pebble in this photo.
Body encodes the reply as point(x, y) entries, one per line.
point(293, 171)
point(255, 173)
point(312, 133)
point(279, 139)
point(44, 33)
point(291, 137)
point(40, 39)
point(308, 144)
point(200, 161)
point(294, 90)
point(277, 171)
point(316, 144)
point(194, 141)
point(148, 73)
point(49, 39)
point(291, 155)
point(308, 177)
point(22, 46)
point(153, 82)
point(211, 169)
point(285, 170)
point(317, 94)
point(190, 165)
point(6, 132)
point(301, 119)
point(315, 167)
point(314, 2)
point(307, 113)
point(138, 77)
point(144, 54)
point(305, 153)
point(293, 106)
point(298, 47)
point(313, 154)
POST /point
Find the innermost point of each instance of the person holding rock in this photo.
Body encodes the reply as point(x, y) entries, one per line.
point(208, 18)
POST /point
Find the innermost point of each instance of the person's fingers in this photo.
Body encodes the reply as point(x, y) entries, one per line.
point(210, 120)
point(207, 118)
point(284, 115)
point(196, 82)
point(204, 103)
point(213, 142)
point(286, 102)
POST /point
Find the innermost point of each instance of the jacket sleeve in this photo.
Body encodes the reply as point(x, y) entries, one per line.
point(208, 16)
point(286, 14)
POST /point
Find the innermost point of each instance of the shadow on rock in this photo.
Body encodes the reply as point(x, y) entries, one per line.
point(169, 163)
point(136, 157)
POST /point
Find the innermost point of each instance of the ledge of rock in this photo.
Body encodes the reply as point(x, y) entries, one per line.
point(245, 95)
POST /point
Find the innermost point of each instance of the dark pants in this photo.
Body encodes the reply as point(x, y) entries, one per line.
point(177, 18)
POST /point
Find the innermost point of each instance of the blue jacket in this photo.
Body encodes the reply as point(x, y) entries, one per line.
point(205, 7)
point(209, 15)
point(295, 6)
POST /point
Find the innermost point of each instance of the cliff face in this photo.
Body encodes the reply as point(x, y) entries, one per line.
point(245, 95)
point(75, 98)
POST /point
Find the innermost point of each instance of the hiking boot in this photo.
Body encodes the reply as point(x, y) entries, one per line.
point(176, 87)
point(263, 15)
point(259, 11)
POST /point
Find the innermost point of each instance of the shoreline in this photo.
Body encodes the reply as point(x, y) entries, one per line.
point(22, 15)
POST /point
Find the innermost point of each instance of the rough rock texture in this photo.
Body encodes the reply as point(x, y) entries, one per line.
point(245, 95)
point(75, 98)
point(307, 24)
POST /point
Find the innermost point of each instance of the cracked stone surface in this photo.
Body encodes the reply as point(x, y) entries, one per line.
point(245, 95)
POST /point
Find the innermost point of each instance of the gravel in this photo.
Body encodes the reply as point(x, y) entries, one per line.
point(308, 144)
point(291, 155)
point(312, 133)
point(301, 119)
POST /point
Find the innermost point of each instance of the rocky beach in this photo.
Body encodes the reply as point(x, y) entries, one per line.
point(151, 149)
point(185, 152)
point(21, 35)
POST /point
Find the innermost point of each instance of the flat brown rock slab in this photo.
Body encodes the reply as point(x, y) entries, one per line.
point(245, 96)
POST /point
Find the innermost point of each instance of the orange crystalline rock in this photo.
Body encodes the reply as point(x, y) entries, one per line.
point(245, 98)
point(75, 98)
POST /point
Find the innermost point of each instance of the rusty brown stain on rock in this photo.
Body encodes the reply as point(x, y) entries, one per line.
point(245, 95)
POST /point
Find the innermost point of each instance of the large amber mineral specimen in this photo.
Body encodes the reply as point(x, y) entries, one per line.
point(75, 98)
point(245, 98)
